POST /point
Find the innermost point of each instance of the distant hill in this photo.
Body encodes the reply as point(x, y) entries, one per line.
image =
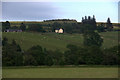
point(48, 24)
point(72, 20)
point(17, 23)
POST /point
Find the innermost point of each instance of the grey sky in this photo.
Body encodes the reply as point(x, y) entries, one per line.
point(36, 11)
point(28, 11)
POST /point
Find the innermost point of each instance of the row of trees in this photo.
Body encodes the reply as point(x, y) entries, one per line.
point(60, 20)
point(70, 27)
point(13, 55)
point(74, 27)
point(7, 25)
point(81, 27)
point(23, 27)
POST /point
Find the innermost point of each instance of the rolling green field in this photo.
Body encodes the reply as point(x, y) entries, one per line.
point(56, 41)
point(70, 72)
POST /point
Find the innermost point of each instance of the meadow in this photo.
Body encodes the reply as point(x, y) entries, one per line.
point(60, 72)
point(52, 41)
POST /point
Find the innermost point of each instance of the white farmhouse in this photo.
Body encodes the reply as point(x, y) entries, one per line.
point(59, 30)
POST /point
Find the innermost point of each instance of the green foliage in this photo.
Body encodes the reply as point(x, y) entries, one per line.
point(89, 21)
point(38, 54)
point(93, 55)
point(92, 38)
point(23, 27)
point(87, 28)
point(29, 60)
point(11, 55)
point(36, 28)
point(68, 28)
point(14, 27)
point(55, 26)
point(83, 55)
point(109, 25)
point(111, 56)
point(75, 55)
point(100, 28)
point(6, 25)
point(48, 60)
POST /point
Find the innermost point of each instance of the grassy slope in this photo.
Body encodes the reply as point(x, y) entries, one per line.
point(53, 41)
point(50, 41)
point(76, 72)
point(57, 41)
point(110, 39)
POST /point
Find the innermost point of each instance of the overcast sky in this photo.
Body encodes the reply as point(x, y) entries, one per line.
point(37, 11)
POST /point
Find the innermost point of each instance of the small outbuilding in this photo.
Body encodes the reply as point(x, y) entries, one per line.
point(13, 30)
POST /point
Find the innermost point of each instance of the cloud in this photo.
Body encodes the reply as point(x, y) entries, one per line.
point(35, 11)
point(28, 10)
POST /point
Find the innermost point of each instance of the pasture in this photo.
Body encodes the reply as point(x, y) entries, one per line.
point(60, 72)
point(54, 41)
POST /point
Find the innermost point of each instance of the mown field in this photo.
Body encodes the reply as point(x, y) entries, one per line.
point(54, 41)
point(63, 72)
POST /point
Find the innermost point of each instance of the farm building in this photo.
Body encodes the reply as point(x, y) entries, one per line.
point(13, 30)
point(59, 30)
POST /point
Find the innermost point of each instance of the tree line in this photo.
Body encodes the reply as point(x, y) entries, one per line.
point(67, 27)
point(12, 55)
point(60, 20)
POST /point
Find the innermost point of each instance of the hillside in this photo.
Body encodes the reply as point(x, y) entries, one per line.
point(17, 23)
point(54, 41)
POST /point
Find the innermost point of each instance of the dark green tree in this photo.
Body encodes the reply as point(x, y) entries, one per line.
point(74, 55)
point(89, 21)
point(92, 38)
point(36, 28)
point(101, 28)
point(93, 55)
point(111, 56)
point(109, 25)
point(58, 57)
point(11, 56)
point(48, 60)
point(69, 28)
point(38, 54)
point(23, 27)
point(6, 25)
point(55, 26)
point(29, 60)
